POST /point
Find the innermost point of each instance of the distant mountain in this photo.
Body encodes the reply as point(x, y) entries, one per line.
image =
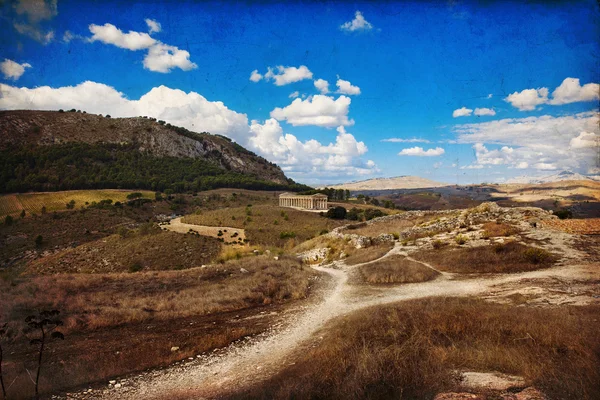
point(398, 182)
point(561, 176)
point(55, 150)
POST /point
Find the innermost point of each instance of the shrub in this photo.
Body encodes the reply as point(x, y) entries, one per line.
point(8, 220)
point(135, 267)
point(461, 239)
point(134, 195)
point(336, 213)
point(563, 214)
point(536, 255)
point(22, 214)
point(287, 235)
point(39, 240)
point(437, 244)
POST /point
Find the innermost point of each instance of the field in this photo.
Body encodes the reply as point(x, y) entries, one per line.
point(267, 225)
point(32, 203)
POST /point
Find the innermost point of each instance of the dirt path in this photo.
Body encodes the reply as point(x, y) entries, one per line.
point(227, 232)
point(237, 367)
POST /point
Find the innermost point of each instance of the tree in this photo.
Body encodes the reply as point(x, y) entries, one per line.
point(39, 240)
point(43, 209)
point(134, 195)
point(347, 194)
point(336, 213)
point(8, 220)
point(71, 205)
point(44, 324)
point(22, 214)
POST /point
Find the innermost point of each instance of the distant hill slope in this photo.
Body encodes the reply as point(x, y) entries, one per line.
point(558, 177)
point(398, 182)
point(50, 150)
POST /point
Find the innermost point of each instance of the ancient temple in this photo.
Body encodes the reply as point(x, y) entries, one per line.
point(310, 202)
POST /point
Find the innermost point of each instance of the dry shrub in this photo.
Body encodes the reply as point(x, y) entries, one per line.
point(370, 253)
point(498, 229)
point(410, 350)
point(499, 258)
point(394, 225)
point(396, 269)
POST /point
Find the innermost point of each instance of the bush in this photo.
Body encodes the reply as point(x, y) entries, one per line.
point(134, 195)
point(460, 239)
point(336, 213)
point(39, 240)
point(437, 244)
point(287, 235)
point(135, 267)
point(8, 220)
point(563, 214)
point(535, 255)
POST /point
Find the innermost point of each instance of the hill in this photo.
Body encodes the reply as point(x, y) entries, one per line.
point(558, 177)
point(398, 182)
point(50, 150)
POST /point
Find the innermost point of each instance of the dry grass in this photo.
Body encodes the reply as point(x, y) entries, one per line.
point(410, 350)
point(93, 301)
point(395, 226)
point(500, 258)
point(367, 254)
point(32, 203)
point(498, 229)
point(396, 269)
point(135, 252)
point(266, 224)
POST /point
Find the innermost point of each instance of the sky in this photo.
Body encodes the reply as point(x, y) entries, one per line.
point(457, 92)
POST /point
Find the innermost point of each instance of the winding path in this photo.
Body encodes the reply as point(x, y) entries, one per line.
point(240, 366)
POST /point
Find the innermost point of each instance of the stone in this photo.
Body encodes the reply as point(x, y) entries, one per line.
point(276, 258)
point(117, 385)
point(458, 396)
point(174, 349)
point(530, 393)
point(243, 270)
point(491, 380)
point(112, 382)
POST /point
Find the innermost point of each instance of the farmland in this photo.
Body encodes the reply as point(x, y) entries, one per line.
point(32, 203)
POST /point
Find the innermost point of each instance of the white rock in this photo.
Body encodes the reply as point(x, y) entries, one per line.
point(174, 349)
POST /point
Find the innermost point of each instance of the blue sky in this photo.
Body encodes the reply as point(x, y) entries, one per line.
point(436, 89)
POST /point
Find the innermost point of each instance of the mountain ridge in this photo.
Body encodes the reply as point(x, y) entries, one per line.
point(397, 182)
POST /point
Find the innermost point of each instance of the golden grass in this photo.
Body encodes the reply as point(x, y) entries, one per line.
point(158, 250)
point(367, 254)
point(267, 224)
point(396, 269)
point(410, 350)
point(102, 300)
point(32, 203)
point(500, 258)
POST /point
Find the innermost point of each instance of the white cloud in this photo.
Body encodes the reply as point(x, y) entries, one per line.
point(255, 76)
point(345, 87)
point(472, 166)
point(401, 140)
point(359, 23)
point(489, 96)
point(419, 152)
point(159, 58)
point(163, 58)
point(36, 10)
point(561, 141)
point(570, 91)
point(484, 111)
point(585, 140)
point(13, 70)
point(293, 95)
point(528, 99)
point(322, 85)
point(462, 112)
point(545, 166)
point(437, 165)
point(110, 34)
point(287, 75)
point(522, 165)
point(317, 110)
point(153, 25)
point(35, 32)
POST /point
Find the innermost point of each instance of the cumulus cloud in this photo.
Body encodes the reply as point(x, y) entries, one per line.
point(462, 112)
point(569, 91)
point(306, 160)
point(160, 57)
point(484, 111)
point(310, 158)
point(255, 76)
point(345, 87)
point(153, 26)
point(287, 75)
point(545, 166)
point(322, 85)
point(34, 12)
point(317, 110)
point(419, 152)
point(585, 140)
point(560, 141)
point(528, 99)
point(359, 23)
point(13, 70)
point(401, 140)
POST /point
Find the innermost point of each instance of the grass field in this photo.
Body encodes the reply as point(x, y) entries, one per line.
point(410, 350)
point(32, 203)
point(266, 224)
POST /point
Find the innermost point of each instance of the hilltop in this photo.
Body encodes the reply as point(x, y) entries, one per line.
point(398, 182)
point(55, 150)
point(558, 177)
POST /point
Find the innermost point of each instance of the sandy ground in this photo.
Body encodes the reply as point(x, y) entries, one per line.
point(177, 226)
point(239, 366)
